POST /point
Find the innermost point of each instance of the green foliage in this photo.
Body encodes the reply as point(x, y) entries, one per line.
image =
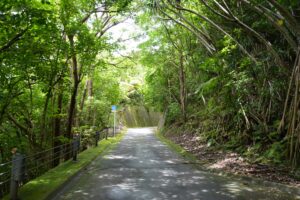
point(237, 66)
point(36, 70)
point(43, 186)
point(208, 86)
point(276, 152)
point(222, 69)
point(173, 111)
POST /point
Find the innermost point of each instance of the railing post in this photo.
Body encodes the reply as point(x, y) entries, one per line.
point(17, 173)
point(107, 132)
point(76, 145)
point(97, 137)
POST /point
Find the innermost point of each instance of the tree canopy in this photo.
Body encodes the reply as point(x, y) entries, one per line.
point(226, 70)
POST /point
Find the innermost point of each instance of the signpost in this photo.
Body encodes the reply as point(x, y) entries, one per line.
point(114, 110)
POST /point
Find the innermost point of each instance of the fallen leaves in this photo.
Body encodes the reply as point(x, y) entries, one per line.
point(233, 162)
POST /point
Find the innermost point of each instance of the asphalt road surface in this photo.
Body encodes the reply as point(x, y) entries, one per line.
point(142, 167)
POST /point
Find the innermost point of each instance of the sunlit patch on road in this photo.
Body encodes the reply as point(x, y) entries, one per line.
point(144, 168)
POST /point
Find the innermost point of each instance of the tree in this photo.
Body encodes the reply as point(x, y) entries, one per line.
point(240, 92)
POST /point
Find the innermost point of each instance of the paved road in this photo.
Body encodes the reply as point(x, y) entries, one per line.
point(142, 167)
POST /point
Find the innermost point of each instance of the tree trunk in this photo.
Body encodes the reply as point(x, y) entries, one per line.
point(84, 95)
point(43, 120)
point(76, 81)
point(81, 106)
point(182, 88)
point(90, 95)
point(57, 131)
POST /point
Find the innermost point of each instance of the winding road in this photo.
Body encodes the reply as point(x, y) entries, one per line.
point(142, 167)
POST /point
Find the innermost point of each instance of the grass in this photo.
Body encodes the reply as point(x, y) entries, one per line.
point(177, 148)
point(41, 187)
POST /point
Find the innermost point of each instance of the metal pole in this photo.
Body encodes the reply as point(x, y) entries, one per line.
point(114, 123)
point(97, 137)
point(76, 144)
point(17, 173)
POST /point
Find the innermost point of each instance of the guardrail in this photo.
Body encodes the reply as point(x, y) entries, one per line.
point(21, 169)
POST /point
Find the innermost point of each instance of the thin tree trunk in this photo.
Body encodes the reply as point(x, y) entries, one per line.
point(57, 131)
point(84, 95)
point(79, 118)
point(43, 120)
point(90, 95)
point(182, 88)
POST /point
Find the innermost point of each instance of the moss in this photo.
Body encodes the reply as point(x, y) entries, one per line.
point(41, 187)
point(177, 148)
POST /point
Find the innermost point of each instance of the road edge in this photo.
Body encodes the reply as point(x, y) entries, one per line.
point(192, 160)
point(33, 185)
point(105, 151)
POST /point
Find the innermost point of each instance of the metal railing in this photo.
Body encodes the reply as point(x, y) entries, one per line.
point(21, 169)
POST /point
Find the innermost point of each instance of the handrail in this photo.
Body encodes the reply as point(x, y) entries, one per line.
point(35, 161)
point(33, 155)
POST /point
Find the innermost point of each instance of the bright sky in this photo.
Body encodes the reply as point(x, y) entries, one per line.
point(126, 34)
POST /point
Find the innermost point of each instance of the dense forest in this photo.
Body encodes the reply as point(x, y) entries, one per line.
point(229, 72)
point(60, 72)
point(226, 70)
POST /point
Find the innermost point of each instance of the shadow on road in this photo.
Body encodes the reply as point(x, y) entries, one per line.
point(144, 168)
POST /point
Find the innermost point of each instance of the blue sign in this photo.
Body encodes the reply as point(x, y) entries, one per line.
point(113, 108)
